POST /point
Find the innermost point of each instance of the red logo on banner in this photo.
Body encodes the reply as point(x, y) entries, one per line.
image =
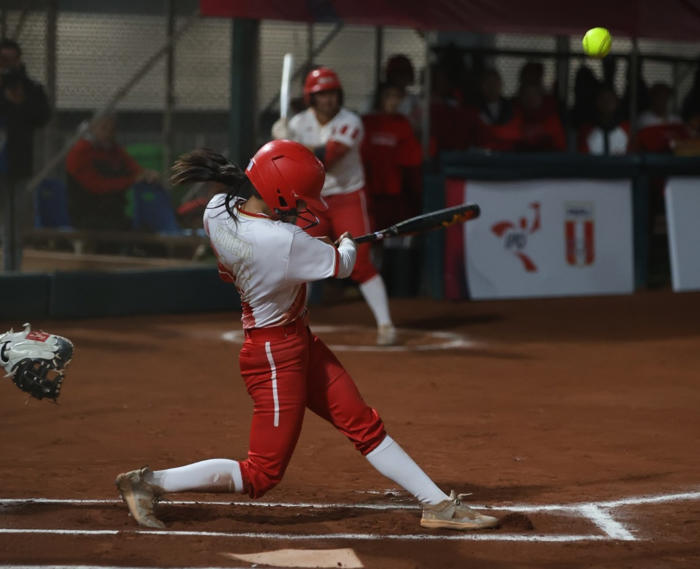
point(515, 234)
point(579, 233)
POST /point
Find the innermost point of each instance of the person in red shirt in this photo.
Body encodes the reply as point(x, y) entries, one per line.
point(540, 129)
point(99, 174)
point(391, 155)
point(497, 128)
point(392, 158)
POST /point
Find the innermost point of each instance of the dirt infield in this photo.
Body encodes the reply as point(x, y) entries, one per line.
point(577, 421)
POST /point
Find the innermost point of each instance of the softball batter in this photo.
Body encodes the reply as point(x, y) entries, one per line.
point(334, 134)
point(286, 368)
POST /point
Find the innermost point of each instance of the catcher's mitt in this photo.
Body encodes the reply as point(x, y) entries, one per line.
point(35, 360)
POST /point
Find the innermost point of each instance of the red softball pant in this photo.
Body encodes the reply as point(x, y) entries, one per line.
point(286, 370)
point(348, 212)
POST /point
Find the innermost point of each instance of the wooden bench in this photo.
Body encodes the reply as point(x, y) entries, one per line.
point(190, 246)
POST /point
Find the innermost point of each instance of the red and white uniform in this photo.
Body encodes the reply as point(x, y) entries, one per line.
point(346, 175)
point(270, 262)
point(286, 368)
point(344, 188)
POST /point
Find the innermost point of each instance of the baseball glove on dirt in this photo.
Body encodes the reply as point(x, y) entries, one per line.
point(35, 360)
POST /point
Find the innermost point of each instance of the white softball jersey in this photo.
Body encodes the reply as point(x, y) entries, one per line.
point(271, 261)
point(346, 175)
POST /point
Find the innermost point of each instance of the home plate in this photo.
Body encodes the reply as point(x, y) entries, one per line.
point(302, 558)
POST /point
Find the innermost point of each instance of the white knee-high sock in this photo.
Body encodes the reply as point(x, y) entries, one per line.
point(393, 462)
point(214, 475)
point(374, 292)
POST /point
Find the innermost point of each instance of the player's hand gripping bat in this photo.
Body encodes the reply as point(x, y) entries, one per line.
point(425, 222)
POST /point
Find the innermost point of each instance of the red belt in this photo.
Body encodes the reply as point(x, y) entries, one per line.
point(297, 327)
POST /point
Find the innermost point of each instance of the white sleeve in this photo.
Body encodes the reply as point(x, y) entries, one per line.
point(311, 259)
point(349, 130)
point(347, 251)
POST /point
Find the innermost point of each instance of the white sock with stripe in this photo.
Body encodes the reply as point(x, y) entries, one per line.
point(393, 462)
point(374, 292)
point(214, 475)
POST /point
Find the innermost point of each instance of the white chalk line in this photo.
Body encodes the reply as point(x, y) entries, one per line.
point(319, 536)
point(596, 512)
point(605, 521)
point(523, 508)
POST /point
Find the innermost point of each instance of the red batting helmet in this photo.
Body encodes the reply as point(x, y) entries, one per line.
point(321, 79)
point(284, 171)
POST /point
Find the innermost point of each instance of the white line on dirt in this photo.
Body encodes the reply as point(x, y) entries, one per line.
point(320, 536)
point(606, 522)
point(575, 506)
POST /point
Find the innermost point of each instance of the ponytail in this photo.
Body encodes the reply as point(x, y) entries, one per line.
point(205, 165)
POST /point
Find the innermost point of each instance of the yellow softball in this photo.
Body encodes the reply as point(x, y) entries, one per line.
point(597, 42)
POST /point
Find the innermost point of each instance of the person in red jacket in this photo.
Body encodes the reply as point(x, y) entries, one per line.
point(99, 174)
point(392, 158)
point(540, 129)
point(391, 155)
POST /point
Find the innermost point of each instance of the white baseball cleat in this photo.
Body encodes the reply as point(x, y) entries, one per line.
point(140, 496)
point(452, 514)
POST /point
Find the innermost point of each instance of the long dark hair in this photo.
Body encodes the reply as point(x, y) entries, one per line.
point(205, 165)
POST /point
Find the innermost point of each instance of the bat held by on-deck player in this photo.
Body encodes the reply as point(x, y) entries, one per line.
point(425, 222)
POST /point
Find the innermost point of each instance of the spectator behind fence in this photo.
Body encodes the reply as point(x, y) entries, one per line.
point(99, 174)
point(400, 73)
point(24, 107)
point(691, 102)
point(606, 134)
point(540, 129)
point(532, 74)
point(586, 87)
point(497, 128)
point(659, 129)
point(392, 156)
point(452, 127)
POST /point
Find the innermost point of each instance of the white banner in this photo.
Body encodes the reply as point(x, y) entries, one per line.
point(682, 208)
point(541, 238)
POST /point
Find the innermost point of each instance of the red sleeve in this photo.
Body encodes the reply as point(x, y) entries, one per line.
point(80, 164)
point(409, 152)
point(334, 151)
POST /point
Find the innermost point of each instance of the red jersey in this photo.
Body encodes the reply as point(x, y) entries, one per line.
point(101, 170)
point(389, 145)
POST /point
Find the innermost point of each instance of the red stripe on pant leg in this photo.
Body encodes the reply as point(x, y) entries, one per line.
point(333, 395)
point(271, 447)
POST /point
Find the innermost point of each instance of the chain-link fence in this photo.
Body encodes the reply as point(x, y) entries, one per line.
point(98, 52)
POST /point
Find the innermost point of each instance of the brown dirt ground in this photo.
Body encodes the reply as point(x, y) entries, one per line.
point(558, 401)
